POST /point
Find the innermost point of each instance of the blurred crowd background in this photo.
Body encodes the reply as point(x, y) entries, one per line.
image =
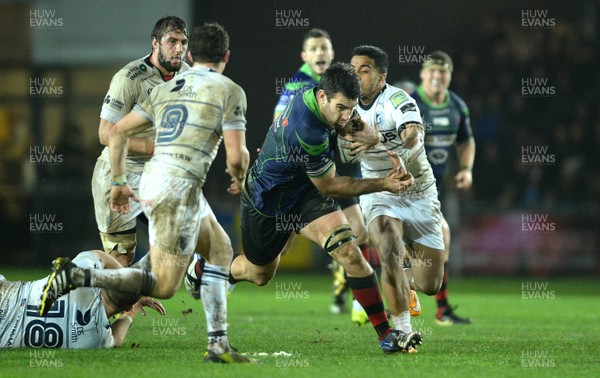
point(525, 69)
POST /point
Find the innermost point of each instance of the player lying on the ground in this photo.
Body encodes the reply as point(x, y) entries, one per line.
point(78, 320)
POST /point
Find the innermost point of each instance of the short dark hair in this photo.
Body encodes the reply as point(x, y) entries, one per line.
point(169, 24)
point(209, 43)
point(315, 33)
point(379, 56)
point(439, 58)
point(340, 78)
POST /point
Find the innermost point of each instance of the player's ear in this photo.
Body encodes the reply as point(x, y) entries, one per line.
point(303, 56)
point(321, 96)
point(154, 43)
point(190, 57)
point(226, 56)
point(382, 78)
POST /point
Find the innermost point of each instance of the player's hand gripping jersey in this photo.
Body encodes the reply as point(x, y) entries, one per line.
point(391, 111)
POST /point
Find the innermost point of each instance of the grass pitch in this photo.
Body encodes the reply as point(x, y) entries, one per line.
point(523, 327)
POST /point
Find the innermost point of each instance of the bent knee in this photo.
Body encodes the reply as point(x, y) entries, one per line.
point(164, 291)
point(262, 280)
point(431, 287)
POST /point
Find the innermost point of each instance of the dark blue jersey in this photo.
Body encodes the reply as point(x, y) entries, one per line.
point(445, 124)
point(297, 147)
point(302, 80)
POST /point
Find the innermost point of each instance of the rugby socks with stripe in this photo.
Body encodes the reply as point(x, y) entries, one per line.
point(213, 291)
point(442, 296)
point(367, 293)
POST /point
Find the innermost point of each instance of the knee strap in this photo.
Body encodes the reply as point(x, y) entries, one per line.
point(337, 237)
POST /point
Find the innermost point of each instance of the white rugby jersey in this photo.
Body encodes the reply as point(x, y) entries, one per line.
point(391, 111)
point(132, 85)
point(190, 114)
point(76, 321)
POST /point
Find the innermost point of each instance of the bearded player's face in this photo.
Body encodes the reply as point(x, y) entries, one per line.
point(171, 50)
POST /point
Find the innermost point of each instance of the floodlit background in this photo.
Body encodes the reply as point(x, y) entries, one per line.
point(526, 69)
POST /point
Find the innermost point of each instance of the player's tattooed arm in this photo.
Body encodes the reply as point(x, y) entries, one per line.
point(413, 135)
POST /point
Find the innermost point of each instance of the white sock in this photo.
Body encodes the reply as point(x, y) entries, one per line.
point(402, 321)
point(213, 290)
point(356, 306)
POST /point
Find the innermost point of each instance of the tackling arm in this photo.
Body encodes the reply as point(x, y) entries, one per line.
point(137, 146)
point(396, 181)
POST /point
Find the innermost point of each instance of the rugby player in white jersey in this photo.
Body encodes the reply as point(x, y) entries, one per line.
point(191, 116)
point(78, 320)
point(412, 216)
point(130, 86)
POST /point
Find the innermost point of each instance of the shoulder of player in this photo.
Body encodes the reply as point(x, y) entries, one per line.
point(135, 70)
point(184, 68)
point(308, 130)
point(226, 81)
point(459, 101)
point(397, 97)
point(299, 81)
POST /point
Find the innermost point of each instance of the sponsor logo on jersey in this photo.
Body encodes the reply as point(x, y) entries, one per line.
point(441, 121)
point(135, 72)
point(238, 111)
point(410, 107)
point(437, 156)
point(187, 91)
point(398, 99)
point(114, 103)
point(379, 118)
point(83, 319)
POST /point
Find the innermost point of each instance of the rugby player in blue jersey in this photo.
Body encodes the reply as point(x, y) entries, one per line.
point(448, 127)
point(317, 55)
point(294, 177)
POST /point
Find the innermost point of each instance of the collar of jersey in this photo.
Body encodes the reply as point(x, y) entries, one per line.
point(306, 70)
point(378, 99)
point(423, 96)
point(310, 100)
point(202, 68)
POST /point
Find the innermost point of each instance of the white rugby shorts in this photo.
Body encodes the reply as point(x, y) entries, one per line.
point(421, 216)
point(174, 207)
